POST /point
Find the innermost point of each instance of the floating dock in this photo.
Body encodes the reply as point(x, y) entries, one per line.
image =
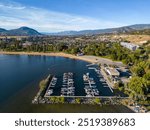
point(102, 80)
point(90, 86)
point(68, 88)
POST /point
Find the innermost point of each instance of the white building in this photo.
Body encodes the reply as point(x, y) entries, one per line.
point(130, 46)
point(112, 71)
point(27, 44)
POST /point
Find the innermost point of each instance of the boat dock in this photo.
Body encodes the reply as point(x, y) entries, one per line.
point(90, 64)
point(104, 81)
point(68, 88)
point(90, 86)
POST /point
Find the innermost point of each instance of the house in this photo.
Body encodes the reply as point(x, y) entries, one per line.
point(130, 46)
point(80, 54)
point(26, 44)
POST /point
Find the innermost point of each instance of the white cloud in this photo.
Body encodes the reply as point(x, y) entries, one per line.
point(13, 15)
point(10, 4)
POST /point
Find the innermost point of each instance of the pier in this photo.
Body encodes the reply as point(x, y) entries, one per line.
point(103, 78)
point(90, 86)
point(68, 88)
point(90, 64)
point(110, 85)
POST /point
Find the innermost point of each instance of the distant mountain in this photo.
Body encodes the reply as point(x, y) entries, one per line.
point(132, 29)
point(120, 30)
point(2, 30)
point(23, 31)
point(140, 26)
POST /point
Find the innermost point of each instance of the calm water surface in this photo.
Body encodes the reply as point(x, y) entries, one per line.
point(20, 75)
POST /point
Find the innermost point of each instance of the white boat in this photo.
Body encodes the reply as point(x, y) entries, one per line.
point(102, 80)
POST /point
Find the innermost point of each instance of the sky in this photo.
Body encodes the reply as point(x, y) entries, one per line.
point(66, 15)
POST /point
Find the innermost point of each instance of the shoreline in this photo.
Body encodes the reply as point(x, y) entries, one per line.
point(90, 59)
point(59, 54)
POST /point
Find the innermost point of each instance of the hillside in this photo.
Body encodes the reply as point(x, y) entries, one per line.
point(141, 32)
point(136, 39)
point(120, 30)
point(140, 26)
point(22, 31)
point(2, 30)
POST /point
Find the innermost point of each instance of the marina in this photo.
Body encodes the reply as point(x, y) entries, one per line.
point(68, 85)
point(91, 85)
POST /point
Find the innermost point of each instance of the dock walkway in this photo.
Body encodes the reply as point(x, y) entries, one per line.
point(110, 85)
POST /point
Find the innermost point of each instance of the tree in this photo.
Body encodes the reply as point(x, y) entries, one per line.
point(97, 101)
point(147, 76)
point(118, 85)
point(61, 99)
point(52, 99)
point(74, 50)
point(138, 86)
point(138, 71)
point(78, 100)
point(97, 52)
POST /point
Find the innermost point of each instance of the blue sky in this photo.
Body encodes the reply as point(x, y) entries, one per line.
point(63, 15)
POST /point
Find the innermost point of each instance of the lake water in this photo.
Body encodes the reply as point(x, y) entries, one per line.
point(20, 75)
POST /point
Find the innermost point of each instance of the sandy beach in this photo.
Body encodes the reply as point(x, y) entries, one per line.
point(60, 54)
point(91, 59)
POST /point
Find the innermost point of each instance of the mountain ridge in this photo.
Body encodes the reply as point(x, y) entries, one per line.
point(124, 29)
point(22, 31)
point(131, 29)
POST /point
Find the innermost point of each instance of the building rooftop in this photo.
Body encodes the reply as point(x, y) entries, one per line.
point(112, 71)
point(130, 46)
